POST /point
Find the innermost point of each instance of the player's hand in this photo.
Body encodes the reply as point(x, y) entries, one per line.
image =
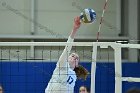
point(77, 22)
point(76, 26)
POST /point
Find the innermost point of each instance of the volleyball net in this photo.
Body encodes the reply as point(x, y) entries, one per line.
point(117, 48)
point(97, 57)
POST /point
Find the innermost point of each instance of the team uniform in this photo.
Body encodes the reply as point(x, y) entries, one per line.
point(63, 78)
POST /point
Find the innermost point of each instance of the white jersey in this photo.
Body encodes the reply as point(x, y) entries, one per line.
point(63, 78)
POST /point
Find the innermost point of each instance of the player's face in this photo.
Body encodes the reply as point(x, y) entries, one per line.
point(83, 90)
point(73, 60)
point(1, 89)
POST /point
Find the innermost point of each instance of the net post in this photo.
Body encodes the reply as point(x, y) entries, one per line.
point(93, 67)
point(118, 67)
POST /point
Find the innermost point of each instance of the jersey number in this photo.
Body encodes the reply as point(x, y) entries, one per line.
point(70, 80)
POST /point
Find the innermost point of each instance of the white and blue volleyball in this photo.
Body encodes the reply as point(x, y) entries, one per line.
point(88, 16)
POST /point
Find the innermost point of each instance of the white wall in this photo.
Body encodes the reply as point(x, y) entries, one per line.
point(11, 20)
point(57, 16)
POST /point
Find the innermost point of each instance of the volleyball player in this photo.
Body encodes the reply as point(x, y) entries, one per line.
point(1, 89)
point(133, 90)
point(67, 68)
point(84, 89)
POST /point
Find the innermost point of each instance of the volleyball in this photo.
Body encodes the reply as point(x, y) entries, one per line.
point(88, 16)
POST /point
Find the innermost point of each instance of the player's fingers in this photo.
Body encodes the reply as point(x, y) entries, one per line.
point(76, 19)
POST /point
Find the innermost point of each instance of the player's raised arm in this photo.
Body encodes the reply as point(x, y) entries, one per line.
point(66, 51)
